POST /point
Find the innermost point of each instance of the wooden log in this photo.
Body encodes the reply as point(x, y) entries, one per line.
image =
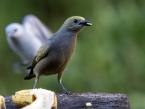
point(93, 101)
point(85, 101)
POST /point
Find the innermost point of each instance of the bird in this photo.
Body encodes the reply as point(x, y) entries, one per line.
point(53, 56)
point(25, 39)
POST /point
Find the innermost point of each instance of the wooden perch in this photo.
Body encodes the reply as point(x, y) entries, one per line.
point(93, 101)
point(23, 99)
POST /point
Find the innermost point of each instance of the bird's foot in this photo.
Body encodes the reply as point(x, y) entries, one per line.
point(67, 92)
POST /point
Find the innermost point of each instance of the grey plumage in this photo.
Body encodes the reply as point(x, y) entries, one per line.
point(25, 39)
point(54, 55)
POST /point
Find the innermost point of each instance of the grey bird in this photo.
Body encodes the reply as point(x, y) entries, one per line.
point(25, 39)
point(54, 55)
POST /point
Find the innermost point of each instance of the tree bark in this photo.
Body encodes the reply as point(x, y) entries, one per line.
point(86, 101)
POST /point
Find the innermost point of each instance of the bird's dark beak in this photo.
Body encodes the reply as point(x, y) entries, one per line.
point(85, 23)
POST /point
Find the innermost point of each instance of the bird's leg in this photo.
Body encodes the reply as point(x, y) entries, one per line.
point(36, 81)
point(61, 84)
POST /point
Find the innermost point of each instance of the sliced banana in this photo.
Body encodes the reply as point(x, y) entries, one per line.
point(2, 103)
point(35, 99)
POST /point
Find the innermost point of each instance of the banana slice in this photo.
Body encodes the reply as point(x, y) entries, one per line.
point(35, 99)
point(2, 103)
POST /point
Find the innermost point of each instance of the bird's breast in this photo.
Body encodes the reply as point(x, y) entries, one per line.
point(58, 56)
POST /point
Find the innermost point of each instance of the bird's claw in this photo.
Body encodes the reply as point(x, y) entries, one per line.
point(67, 92)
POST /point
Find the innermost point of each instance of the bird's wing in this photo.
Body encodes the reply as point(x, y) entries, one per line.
point(35, 27)
point(42, 53)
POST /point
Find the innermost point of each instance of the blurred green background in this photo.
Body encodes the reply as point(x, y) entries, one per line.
point(110, 55)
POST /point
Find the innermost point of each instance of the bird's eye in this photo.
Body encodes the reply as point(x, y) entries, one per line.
point(75, 21)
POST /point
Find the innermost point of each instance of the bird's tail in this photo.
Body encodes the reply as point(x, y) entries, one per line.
point(30, 74)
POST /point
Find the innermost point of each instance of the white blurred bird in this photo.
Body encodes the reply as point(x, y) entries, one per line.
point(25, 39)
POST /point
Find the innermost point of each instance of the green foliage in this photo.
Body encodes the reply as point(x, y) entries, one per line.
point(110, 55)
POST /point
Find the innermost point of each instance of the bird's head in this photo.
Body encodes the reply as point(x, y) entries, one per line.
point(75, 23)
point(14, 30)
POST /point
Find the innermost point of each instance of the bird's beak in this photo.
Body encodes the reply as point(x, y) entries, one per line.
point(86, 23)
